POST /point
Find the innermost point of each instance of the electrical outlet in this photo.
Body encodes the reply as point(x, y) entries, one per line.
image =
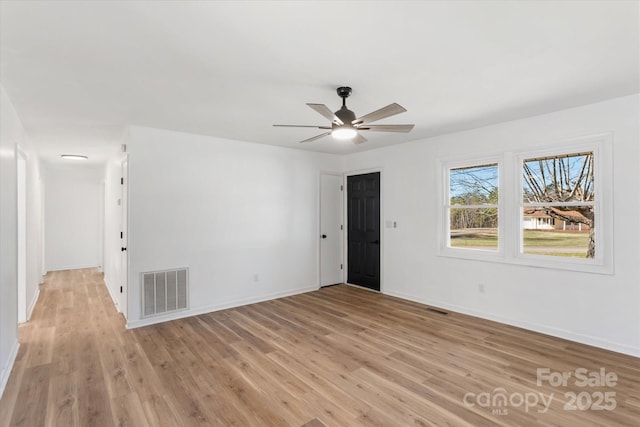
point(481, 288)
point(256, 278)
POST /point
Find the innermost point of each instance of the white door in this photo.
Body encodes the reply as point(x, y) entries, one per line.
point(124, 270)
point(331, 229)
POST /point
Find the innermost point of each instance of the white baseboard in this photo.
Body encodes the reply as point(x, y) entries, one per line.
point(72, 267)
point(216, 307)
point(113, 297)
point(544, 329)
point(33, 302)
point(6, 369)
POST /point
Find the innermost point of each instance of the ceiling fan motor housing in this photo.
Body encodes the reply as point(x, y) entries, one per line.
point(347, 116)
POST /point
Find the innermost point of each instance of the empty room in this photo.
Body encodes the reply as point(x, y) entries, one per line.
point(319, 213)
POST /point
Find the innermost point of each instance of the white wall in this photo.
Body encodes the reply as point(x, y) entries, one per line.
point(602, 310)
point(72, 212)
point(242, 217)
point(10, 133)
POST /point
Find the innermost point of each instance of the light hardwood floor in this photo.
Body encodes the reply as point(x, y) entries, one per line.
point(339, 356)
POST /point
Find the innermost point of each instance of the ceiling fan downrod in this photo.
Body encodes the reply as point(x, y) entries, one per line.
point(344, 92)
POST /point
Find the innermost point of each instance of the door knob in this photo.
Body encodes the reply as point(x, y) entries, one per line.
point(324, 236)
point(376, 242)
point(123, 249)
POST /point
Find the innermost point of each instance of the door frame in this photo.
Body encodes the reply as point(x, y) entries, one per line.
point(21, 235)
point(319, 231)
point(345, 248)
point(124, 240)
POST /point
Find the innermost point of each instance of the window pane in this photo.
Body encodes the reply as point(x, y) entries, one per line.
point(558, 231)
point(474, 185)
point(474, 228)
point(566, 178)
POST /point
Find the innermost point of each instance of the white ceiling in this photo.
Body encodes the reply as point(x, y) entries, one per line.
point(79, 72)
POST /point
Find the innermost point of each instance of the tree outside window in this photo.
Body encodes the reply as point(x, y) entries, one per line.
point(559, 188)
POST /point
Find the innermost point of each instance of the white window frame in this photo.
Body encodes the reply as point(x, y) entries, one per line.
point(510, 204)
point(601, 146)
point(445, 248)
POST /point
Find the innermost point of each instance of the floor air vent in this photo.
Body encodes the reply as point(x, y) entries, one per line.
point(164, 291)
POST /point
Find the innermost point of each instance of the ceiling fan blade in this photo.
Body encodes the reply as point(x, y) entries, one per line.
point(302, 126)
point(359, 139)
point(387, 128)
point(388, 111)
point(313, 138)
point(324, 110)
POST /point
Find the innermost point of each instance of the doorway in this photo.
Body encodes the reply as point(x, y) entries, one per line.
point(331, 230)
point(363, 230)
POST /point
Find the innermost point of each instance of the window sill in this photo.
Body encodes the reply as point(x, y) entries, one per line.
point(528, 260)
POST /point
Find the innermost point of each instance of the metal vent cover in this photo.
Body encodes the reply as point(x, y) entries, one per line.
point(165, 291)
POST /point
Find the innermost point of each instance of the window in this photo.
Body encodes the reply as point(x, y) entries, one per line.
point(546, 208)
point(558, 194)
point(473, 207)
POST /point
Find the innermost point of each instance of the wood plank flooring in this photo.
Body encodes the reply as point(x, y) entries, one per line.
point(339, 356)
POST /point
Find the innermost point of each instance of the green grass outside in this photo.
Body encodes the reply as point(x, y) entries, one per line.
point(567, 254)
point(573, 244)
point(486, 238)
point(556, 238)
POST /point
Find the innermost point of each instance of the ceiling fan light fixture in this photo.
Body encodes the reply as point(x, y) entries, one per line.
point(344, 132)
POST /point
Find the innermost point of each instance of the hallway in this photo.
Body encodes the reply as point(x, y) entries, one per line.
point(71, 357)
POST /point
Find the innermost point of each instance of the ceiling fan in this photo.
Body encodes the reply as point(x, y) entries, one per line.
point(345, 125)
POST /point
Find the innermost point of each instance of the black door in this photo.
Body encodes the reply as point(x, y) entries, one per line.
point(363, 215)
